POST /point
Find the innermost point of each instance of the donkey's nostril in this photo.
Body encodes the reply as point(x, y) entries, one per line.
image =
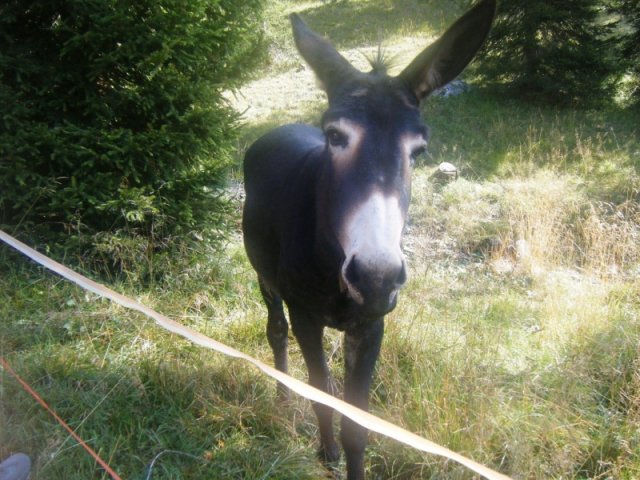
point(395, 277)
point(373, 282)
point(351, 274)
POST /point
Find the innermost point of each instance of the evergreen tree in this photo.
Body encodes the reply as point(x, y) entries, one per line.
point(630, 10)
point(559, 51)
point(114, 130)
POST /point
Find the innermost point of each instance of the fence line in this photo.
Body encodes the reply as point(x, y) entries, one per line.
point(365, 419)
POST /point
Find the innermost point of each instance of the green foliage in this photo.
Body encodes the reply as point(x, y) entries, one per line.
point(562, 52)
point(630, 10)
point(113, 120)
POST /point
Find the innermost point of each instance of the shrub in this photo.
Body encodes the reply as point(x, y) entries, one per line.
point(114, 128)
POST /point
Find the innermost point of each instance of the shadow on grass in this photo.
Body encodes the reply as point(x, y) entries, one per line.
point(225, 427)
point(489, 136)
point(132, 391)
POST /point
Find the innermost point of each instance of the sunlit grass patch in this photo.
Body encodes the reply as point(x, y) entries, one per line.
point(517, 300)
point(536, 370)
point(534, 223)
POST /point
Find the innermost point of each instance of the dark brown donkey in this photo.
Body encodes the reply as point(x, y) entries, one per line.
point(326, 208)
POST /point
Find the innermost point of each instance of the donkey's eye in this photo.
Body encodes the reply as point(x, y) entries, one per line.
point(336, 137)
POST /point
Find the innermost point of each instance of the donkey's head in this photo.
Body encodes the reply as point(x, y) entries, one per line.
point(373, 131)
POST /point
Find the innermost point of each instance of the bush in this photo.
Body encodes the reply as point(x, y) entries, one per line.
point(114, 128)
point(561, 52)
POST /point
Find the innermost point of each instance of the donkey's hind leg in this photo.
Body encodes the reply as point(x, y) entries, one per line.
point(277, 334)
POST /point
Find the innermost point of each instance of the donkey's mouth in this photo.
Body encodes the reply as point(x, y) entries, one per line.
point(381, 305)
point(375, 305)
point(353, 314)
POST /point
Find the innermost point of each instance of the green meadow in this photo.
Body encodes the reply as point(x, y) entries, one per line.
point(516, 341)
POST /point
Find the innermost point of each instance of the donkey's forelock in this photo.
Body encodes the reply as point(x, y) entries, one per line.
point(381, 62)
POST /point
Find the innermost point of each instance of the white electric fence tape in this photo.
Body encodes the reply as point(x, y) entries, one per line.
point(361, 417)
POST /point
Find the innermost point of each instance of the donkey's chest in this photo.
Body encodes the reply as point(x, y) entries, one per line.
point(322, 301)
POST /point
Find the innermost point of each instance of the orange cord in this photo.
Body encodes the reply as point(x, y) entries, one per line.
point(33, 393)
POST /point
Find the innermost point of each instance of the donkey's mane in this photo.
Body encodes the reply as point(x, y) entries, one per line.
point(380, 62)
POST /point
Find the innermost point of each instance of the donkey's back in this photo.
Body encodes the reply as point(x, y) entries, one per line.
point(280, 153)
point(280, 170)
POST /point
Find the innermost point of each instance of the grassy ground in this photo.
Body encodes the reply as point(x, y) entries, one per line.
point(516, 341)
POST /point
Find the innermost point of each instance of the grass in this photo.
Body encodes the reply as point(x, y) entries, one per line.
point(515, 341)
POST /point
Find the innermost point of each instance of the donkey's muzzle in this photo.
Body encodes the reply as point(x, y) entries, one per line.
point(374, 285)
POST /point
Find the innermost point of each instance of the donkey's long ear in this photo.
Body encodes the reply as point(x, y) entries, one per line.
point(330, 67)
point(444, 59)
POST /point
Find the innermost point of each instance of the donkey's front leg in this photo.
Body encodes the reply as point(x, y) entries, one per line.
point(309, 335)
point(361, 349)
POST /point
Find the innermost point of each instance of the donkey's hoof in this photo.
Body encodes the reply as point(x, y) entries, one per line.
point(283, 394)
point(330, 455)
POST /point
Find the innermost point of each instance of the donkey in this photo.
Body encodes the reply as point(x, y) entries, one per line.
point(326, 208)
